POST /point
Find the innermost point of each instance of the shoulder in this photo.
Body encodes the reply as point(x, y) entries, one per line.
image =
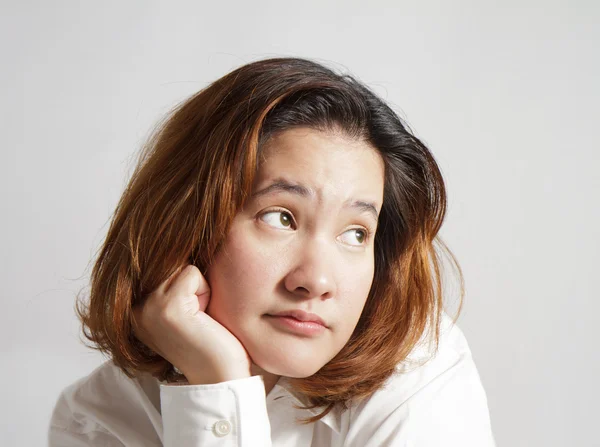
point(433, 394)
point(432, 372)
point(98, 404)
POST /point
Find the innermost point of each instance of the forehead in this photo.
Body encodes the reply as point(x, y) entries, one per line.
point(330, 163)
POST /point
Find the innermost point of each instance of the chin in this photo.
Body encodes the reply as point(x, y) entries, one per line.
point(288, 367)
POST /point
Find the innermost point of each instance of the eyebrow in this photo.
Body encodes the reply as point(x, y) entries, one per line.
point(281, 185)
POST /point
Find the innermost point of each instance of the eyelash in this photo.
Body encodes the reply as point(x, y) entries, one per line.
point(367, 231)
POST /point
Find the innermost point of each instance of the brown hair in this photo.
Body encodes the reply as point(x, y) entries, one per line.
point(196, 172)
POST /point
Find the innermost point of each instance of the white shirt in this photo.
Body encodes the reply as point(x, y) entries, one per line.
point(439, 403)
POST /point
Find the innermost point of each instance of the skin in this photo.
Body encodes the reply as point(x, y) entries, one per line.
point(284, 250)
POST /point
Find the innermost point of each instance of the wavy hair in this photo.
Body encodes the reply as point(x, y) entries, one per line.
point(197, 170)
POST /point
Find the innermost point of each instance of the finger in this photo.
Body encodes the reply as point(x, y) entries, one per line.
point(164, 286)
point(190, 281)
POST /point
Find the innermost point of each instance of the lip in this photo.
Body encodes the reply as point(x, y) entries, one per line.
point(291, 324)
point(301, 316)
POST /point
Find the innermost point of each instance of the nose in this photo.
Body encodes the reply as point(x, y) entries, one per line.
point(312, 276)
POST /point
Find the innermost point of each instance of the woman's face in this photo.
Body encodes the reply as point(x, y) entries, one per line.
point(304, 240)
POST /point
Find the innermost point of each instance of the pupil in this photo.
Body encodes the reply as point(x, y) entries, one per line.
point(360, 235)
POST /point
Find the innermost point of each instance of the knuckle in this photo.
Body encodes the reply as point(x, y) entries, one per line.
point(168, 315)
point(193, 269)
point(194, 273)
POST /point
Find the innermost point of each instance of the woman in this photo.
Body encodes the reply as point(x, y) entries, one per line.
point(270, 277)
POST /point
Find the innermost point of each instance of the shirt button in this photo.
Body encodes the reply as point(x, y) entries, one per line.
point(222, 428)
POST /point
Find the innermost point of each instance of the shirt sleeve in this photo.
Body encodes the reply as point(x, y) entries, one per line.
point(232, 413)
point(66, 431)
point(60, 437)
point(449, 411)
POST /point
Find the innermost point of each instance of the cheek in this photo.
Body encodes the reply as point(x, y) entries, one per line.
point(241, 278)
point(356, 288)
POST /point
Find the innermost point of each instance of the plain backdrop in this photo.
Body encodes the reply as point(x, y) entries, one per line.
point(505, 94)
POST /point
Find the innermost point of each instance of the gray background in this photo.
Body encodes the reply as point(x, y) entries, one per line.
point(506, 96)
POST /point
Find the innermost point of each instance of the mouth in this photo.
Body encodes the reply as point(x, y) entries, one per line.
point(293, 325)
point(302, 316)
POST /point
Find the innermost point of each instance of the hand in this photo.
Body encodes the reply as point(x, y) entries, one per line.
point(173, 323)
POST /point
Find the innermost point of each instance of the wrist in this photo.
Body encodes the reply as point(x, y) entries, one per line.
point(201, 375)
point(205, 379)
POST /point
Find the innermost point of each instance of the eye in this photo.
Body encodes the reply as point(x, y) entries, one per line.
point(359, 235)
point(278, 219)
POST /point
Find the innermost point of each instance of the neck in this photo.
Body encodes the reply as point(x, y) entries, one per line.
point(269, 378)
